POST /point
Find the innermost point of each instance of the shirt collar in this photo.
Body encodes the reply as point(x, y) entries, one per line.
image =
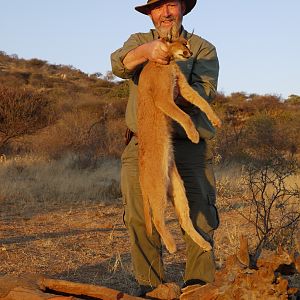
point(182, 34)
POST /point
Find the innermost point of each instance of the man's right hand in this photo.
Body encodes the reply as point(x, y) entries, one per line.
point(155, 51)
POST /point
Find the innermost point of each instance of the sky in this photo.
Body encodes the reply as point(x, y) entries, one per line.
point(257, 41)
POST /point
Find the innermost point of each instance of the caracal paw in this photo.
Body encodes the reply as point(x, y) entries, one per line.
point(217, 122)
point(206, 246)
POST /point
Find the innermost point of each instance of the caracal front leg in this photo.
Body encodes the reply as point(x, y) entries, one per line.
point(193, 97)
point(170, 109)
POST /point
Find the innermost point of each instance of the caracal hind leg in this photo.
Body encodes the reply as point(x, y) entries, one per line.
point(183, 211)
point(192, 96)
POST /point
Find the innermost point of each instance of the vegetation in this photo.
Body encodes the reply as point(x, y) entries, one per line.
point(22, 112)
point(55, 112)
point(84, 113)
point(273, 202)
point(52, 110)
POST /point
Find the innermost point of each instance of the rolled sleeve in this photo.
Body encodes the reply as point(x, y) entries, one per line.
point(117, 57)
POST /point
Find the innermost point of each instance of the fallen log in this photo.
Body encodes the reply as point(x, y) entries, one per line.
point(80, 289)
point(25, 288)
point(20, 293)
point(34, 287)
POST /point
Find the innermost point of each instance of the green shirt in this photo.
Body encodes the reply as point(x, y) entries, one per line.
point(201, 71)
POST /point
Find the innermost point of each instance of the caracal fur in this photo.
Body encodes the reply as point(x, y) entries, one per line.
point(158, 174)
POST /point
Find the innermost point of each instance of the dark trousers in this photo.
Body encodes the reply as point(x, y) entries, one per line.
point(194, 163)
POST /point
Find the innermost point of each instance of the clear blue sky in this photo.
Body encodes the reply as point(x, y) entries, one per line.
point(258, 41)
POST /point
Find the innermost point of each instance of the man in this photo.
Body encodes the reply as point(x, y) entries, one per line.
point(194, 161)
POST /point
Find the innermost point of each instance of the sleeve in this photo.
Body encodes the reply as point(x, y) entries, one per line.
point(204, 77)
point(117, 57)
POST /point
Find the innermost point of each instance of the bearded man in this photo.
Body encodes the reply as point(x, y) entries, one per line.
point(194, 161)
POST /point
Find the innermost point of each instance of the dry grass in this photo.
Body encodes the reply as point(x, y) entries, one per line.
point(235, 198)
point(30, 184)
point(64, 219)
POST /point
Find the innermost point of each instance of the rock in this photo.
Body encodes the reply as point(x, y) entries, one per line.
point(165, 291)
point(200, 292)
point(272, 259)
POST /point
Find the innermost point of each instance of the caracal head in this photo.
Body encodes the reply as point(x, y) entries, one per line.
point(179, 49)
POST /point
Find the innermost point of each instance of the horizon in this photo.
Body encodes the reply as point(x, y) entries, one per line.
point(115, 79)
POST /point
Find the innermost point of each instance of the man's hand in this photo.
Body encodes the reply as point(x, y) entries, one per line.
point(157, 51)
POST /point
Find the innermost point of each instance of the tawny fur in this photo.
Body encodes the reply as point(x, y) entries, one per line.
point(158, 173)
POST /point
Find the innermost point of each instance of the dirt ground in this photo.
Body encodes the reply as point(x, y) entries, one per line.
point(87, 242)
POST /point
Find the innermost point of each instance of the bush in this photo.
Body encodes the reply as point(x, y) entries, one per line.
point(37, 80)
point(37, 63)
point(264, 137)
point(258, 136)
point(22, 112)
point(272, 202)
point(293, 100)
point(121, 90)
point(84, 131)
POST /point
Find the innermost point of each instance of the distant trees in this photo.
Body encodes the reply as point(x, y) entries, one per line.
point(257, 123)
point(22, 112)
point(293, 99)
point(37, 63)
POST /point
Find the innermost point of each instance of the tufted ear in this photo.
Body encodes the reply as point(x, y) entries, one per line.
point(191, 35)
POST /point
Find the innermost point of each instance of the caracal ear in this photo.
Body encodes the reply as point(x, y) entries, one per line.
point(191, 36)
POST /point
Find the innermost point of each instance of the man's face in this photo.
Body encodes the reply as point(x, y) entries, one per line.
point(167, 17)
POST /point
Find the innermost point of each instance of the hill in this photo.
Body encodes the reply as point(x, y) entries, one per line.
point(88, 114)
point(83, 105)
point(60, 81)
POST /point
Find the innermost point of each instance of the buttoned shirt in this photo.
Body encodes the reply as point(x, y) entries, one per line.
point(201, 71)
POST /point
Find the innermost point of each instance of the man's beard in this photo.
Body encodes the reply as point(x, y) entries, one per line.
point(172, 32)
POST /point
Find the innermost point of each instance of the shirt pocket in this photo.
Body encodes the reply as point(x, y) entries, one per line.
point(213, 218)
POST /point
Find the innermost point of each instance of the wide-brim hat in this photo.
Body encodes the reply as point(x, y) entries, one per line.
point(146, 8)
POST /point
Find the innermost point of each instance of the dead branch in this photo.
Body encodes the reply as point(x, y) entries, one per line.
point(80, 289)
